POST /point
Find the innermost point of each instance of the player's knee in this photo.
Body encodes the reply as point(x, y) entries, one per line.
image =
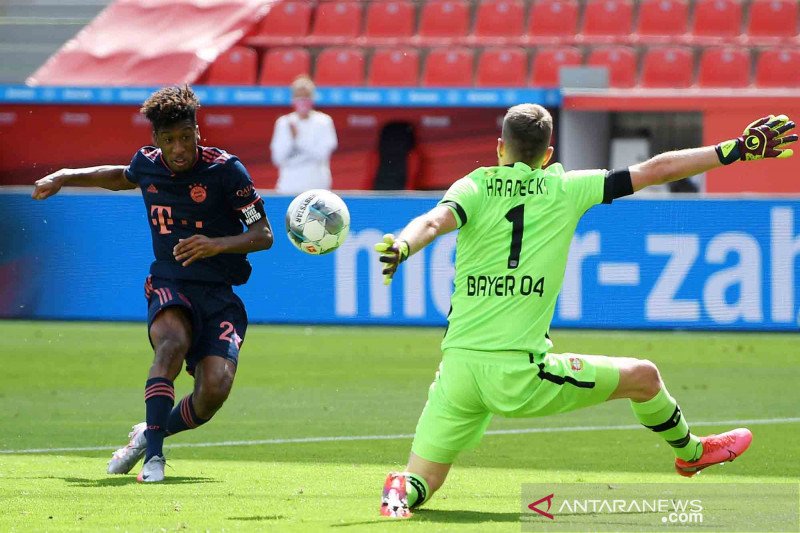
point(170, 348)
point(648, 378)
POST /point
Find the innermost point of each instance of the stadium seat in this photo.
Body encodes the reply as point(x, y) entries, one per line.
point(605, 20)
point(393, 19)
point(337, 21)
point(499, 18)
point(553, 18)
point(502, 67)
point(280, 66)
point(394, 68)
point(662, 18)
point(772, 19)
point(448, 67)
point(340, 66)
point(286, 19)
point(717, 19)
point(667, 67)
point(621, 63)
point(237, 66)
point(444, 18)
point(778, 68)
point(724, 67)
point(547, 62)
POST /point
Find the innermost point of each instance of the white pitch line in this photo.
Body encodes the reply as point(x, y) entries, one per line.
point(345, 438)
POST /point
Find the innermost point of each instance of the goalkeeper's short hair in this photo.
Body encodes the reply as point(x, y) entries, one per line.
point(527, 129)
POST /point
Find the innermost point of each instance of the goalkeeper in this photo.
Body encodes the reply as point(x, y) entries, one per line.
point(516, 222)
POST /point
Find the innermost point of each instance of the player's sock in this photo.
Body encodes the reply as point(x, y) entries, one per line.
point(662, 415)
point(417, 490)
point(159, 396)
point(183, 417)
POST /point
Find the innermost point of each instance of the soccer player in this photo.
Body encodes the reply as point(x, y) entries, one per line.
point(198, 201)
point(516, 222)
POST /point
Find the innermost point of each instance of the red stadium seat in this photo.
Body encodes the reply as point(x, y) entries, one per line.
point(390, 19)
point(286, 19)
point(502, 67)
point(448, 67)
point(340, 66)
point(667, 67)
point(499, 18)
point(237, 66)
point(621, 63)
point(773, 18)
point(778, 68)
point(444, 18)
point(607, 18)
point(544, 70)
point(553, 18)
point(394, 68)
point(717, 19)
point(337, 21)
point(724, 67)
point(280, 66)
point(663, 18)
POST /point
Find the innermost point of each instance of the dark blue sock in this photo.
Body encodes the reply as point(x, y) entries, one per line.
point(183, 417)
point(159, 396)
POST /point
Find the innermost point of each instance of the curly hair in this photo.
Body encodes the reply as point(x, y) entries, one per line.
point(170, 105)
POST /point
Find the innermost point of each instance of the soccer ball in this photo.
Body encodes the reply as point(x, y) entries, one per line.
point(317, 222)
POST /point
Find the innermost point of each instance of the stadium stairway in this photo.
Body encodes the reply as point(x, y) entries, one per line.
point(33, 30)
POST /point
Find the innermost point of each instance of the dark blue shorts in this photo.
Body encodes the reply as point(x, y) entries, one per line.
point(218, 317)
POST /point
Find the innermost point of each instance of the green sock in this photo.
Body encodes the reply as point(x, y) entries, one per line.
point(416, 490)
point(662, 415)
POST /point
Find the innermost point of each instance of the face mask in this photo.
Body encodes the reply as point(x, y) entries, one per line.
point(302, 105)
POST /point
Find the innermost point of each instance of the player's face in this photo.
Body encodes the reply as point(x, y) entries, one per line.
point(178, 143)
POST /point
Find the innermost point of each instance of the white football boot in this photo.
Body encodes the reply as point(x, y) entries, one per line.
point(152, 470)
point(126, 458)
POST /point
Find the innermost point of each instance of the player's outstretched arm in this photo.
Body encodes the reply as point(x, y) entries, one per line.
point(111, 177)
point(764, 138)
point(418, 234)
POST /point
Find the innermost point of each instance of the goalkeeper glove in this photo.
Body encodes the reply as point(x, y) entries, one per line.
point(761, 139)
point(393, 252)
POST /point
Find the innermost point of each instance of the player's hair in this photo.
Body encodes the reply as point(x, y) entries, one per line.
point(527, 129)
point(303, 82)
point(170, 105)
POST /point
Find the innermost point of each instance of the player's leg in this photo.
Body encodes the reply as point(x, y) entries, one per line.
point(657, 410)
point(213, 380)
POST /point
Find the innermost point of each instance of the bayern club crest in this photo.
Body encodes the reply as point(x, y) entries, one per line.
point(198, 192)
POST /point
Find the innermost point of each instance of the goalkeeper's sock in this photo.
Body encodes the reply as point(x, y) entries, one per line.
point(159, 396)
point(183, 417)
point(417, 490)
point(662, 415)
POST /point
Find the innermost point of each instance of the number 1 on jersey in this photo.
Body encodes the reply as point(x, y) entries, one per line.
point(517, 218)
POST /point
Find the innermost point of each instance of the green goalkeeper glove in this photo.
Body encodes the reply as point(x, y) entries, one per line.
point(393, 252)
point(761, 139)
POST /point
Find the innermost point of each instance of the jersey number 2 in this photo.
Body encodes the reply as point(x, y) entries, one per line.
point(516, 215)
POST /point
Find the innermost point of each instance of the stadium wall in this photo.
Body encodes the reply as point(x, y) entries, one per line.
point(711, 264)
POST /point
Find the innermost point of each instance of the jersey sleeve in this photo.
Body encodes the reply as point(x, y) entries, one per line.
point(585, 188)
point(464, 198)
point(242, 195)
point(133, 171)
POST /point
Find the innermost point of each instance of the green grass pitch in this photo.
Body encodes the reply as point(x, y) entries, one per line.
point(79, 385)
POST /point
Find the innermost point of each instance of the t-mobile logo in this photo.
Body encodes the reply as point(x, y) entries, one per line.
point(161, 217)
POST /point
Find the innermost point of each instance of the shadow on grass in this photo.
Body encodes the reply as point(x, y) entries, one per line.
point(262, 518)
point(448, 517)
point(119, 481)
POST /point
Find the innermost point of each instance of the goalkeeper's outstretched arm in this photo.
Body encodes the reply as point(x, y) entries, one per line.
point(764, 138)
point(418, 234)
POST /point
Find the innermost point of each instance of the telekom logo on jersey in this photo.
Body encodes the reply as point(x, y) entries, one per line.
point(161, 217)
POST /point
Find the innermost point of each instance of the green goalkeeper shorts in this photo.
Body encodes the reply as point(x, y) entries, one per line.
point(471, 386)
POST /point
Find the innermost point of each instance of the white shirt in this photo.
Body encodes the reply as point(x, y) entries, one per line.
point(304, 161)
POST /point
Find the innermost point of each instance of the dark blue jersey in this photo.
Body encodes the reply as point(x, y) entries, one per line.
point(209, 199)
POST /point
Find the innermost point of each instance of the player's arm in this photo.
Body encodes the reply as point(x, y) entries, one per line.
point(111, 177)
point(764, 138)
point(418, 234)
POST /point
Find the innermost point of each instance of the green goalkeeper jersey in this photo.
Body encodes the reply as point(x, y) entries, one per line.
point(515, 228)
